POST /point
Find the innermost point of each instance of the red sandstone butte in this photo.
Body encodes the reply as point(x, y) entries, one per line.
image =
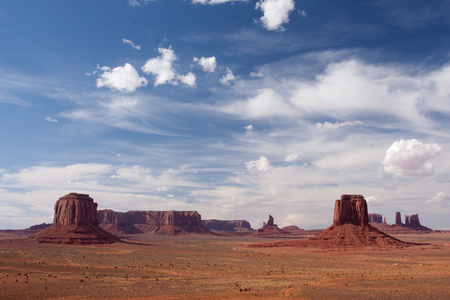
point(75, 222)
point(350, 229)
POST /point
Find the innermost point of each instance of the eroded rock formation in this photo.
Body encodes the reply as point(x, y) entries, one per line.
point(351, 209)
point(411, 224)
point(269, 229)
point(227, 225)
point(75, 222)
point(350, 229)
point(159, 222)
point(375, 218)
point(398, 218)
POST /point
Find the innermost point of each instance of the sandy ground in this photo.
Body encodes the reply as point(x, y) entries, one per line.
point(212, 267)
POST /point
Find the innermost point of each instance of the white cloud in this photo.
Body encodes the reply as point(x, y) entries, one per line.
point(261, 165)
point(124, 79)
point(208, 64)
point(126, 41)
point(188, 79)
point(409, 158)
point(292, 157)
point(50, 119)
point(328, 125)
point(441, 199)
point(227, 77)
point(266, 103)
point(376, 200)
point(249, 127)
point(276, 13)
point(162, 68)
point(257, 75)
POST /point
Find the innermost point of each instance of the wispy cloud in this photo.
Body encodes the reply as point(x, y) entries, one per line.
point(126, 41)
point(50, 119)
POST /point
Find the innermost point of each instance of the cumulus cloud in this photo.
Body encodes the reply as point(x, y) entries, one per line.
point(441, 199)
point(124, 79)
point(227, 77)
point(162, 69)
point(376, 200)
point(208, 64)
point(328, 125)
point(189, 79)
point(275, 13)
point(50, 119)
point(291, 157)
point(249, 127)
point(409, 158)
point(260, 165)
point(126, 41)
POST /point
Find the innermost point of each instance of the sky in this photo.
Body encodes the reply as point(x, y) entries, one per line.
point(235, 109)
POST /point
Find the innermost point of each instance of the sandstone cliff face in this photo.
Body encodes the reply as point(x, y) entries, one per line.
point(351, 209)
point(160, 222)
point(375, 218)
point(75, 209)
point(75, 222)
point(398, 218)
point(227, 225)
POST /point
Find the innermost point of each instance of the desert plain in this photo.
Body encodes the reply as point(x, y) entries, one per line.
point(149, 266)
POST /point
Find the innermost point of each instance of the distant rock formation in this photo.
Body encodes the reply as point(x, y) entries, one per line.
point(227, 225)
point(411, 224)
point(294, 230)
point(350, 229)
point(158, 222)
point(398, 218)
point(75, 222)
point(375, 218)
point(269, 229)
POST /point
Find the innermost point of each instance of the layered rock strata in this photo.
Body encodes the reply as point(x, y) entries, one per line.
point(75, 222)
point(158, 222)
point(227, 225)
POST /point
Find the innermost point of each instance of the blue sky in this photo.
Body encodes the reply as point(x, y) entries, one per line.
point(236, 109)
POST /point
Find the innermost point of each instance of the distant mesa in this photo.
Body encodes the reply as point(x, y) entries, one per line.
point(74, 222)
point(411, 225)
point(350, 229)
point(237, 226)
point(157, 222)
point(269, 229)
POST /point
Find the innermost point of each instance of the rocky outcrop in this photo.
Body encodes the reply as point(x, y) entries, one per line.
point(351, 209)
point(398, 218)
point(269, 229)
point(75, 222)
point(159, 222)
point(227, 225)
point(350, 228)
point(411, 225)
point(375, 218)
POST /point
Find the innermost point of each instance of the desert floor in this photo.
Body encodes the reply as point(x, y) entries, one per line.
point(213, 267)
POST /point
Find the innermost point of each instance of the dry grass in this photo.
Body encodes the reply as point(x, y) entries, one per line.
point(209, 267)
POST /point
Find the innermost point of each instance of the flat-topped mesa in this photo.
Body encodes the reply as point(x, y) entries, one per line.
point(375, 218)
point(227, 225)
point(75, 222)
point(75, 209)
point(351, 209)
point(160, 222)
